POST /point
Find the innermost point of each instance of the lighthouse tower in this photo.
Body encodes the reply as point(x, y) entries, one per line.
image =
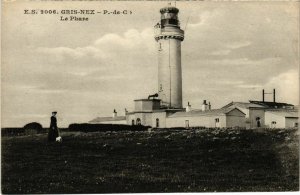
point(169, 36)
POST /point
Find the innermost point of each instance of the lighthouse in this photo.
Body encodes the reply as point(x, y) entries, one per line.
point(168, 36)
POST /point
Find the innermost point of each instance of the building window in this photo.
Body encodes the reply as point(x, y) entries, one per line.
point(217, 120)
point(296, 125)
point(138, 121)
point(132, 122)
point(187, 125)
point(157, 122)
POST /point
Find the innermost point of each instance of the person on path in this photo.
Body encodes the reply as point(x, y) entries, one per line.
point(53, 131)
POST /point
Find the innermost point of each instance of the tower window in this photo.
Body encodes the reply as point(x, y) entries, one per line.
point(160, 88)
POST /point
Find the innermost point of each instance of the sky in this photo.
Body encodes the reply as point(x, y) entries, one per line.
point(85, 69)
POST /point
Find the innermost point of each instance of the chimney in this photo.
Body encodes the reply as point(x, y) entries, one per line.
point(114, 113)
point(274, 95)
point(204, 106)
point(188, 107)
point(209, 106)
point(263, 95)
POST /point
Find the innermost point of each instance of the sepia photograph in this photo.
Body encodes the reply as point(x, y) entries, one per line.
point(149, 96)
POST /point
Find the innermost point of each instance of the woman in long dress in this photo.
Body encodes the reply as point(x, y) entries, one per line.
point(53, 131)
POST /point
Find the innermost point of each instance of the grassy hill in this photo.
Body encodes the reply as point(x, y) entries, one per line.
point(159, 161)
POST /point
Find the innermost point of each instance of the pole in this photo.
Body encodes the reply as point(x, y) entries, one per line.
point(170, 75)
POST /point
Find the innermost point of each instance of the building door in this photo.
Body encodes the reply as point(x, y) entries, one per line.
point(258, 122)
point(187, 125)
point(273, 124)
point(157, 122)
point(217, 122)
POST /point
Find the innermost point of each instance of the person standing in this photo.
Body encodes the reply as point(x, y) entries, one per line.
point(53, 131)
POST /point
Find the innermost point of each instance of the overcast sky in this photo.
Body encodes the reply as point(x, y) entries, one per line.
point(231, 51)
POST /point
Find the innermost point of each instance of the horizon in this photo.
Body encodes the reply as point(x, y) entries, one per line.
point(85, 70)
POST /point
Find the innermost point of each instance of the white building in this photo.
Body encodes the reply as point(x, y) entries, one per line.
point(228, 117)
point(267, 114)
point(148, 112)
point(281, 119)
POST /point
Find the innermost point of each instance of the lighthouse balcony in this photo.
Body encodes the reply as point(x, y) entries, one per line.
point(170, 33)
point(169, 36)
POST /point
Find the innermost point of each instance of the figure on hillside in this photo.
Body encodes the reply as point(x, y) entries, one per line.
point(53, 131)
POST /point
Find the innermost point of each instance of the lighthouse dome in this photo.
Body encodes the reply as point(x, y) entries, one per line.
point(169, 9)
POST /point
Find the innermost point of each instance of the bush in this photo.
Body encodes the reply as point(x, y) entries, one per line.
point(13, 131)
point(86, 127)
point(32, 128)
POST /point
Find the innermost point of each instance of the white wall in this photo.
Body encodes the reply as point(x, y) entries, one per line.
point(146, 118)
point(232, 119)
point(253, 113)
point(113, 122)
point(235, 118)
point(247, 118)
point(235, 121)
point(129, 118)
point(196, 121)
point(269, 117)
point(290, 122)
point(169, 73)
point(146, 105)
point(162, 119)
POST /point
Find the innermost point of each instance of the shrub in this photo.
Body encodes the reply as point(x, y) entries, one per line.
point(12, 131)
point(86, 127)
point(32, 128)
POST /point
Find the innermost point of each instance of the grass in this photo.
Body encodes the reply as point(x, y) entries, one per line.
point(159, 161)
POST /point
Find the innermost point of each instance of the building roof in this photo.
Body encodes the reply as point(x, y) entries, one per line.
point(244, 105)
point(147, 100)
point(260, 104)
point(168, 110)
point(272, 104)
point(293, 114)
point(222, 111)
point(106, 119)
